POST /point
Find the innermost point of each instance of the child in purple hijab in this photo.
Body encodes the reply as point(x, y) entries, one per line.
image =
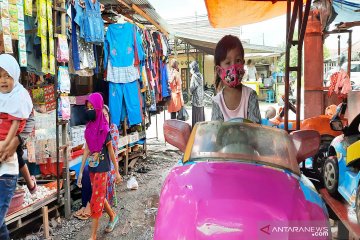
point(97, 127)
point(98, 152)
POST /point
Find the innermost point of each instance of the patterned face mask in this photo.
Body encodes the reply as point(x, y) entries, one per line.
point(232, 75)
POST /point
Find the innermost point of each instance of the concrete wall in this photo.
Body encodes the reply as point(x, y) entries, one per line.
point(209, 75)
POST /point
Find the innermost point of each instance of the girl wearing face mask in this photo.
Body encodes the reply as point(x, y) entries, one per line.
point(233, 100)
point(98, 152)
point(86, 192)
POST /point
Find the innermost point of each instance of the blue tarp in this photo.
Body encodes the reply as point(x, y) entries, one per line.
point(346, 10)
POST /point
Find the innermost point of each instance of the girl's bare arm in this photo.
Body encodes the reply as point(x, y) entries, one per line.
point(112, 156)
point(12, 131)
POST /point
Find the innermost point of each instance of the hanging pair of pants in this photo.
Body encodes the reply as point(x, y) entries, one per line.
point(125, 96)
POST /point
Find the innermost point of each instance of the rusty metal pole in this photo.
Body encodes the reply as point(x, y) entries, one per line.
point(287, 63)
point(299, 64)
point(313, 68)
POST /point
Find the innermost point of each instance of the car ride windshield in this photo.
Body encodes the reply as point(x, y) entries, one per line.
point(244, 142)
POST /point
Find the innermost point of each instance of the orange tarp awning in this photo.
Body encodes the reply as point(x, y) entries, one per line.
point(230, 13)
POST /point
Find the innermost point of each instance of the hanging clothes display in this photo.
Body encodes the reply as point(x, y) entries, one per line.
point(119, 45)
point(83, 60)
point(122, 74)
point(340, 84)
point(165, 87)
point(123, 46)
point(92, 29)
point(125, 96)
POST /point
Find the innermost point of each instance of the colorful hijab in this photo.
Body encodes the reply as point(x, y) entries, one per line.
point(16, 103)
point(96, 131)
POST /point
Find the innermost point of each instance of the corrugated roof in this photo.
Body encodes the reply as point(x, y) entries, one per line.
point(203, 36)
point(145, 6)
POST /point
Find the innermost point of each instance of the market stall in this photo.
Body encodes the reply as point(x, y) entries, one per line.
point(65, 53)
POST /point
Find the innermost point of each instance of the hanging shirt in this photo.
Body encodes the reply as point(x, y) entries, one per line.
point(164, 46)
point(122, 74)
point(92, 29)
point(119, 45)
point(340, 84)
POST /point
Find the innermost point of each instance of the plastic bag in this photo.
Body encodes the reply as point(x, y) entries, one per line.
point(63, 49)
point(65, 107)
point(64, 79)
point(183, 114)
point(132, 184)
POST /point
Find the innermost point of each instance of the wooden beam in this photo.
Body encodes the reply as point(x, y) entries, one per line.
point(45, 214)
point(138, 10)
point(147, 17)
point(125, 4)
point(348, 25)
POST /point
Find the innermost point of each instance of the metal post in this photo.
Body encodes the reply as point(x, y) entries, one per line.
point(66, 172)
point(57, 96)
point(188, 66)
point(203, 65)
point(287, 62)
point(157, 132)
point(299, 63)
point(164, 121)
point(349, 53)
point(339, 37)
point(175, 47)
point(64, 139)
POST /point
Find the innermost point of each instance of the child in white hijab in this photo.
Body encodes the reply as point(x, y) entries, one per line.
point(15, 108)
point(15, 102)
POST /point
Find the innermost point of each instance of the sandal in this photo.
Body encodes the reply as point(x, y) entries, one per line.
point(84, 216)
point(110, 227)
point(79, 212)
point(34, 188)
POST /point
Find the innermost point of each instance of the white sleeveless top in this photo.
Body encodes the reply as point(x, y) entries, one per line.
point(241, 111)
point(10, 166)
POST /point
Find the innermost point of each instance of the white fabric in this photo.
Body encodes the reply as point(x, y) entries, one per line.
point(18, 102)
point(251, 73)
point(164, 46)
point(122, 74)
point(10, 166)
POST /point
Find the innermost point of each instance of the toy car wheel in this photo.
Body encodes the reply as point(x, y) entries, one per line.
point(331, 176)
point(320, 158)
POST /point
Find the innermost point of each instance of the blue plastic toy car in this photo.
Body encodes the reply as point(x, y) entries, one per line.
point(341, 170)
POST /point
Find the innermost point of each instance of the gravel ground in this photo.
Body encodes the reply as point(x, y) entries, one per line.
point(137, 208)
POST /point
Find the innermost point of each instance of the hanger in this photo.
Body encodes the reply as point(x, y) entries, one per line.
point(121, 19)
